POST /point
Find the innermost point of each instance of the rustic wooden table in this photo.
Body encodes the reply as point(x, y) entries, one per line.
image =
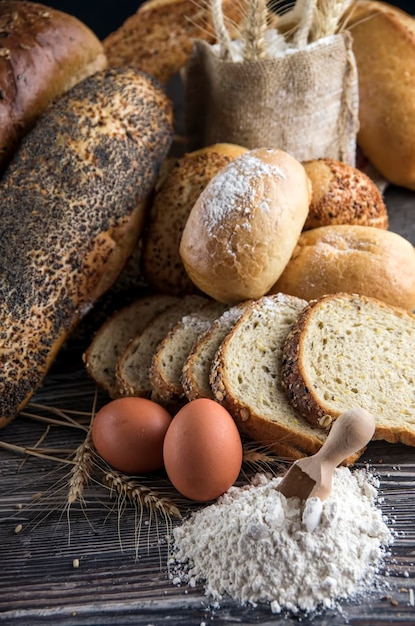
point(88, 566)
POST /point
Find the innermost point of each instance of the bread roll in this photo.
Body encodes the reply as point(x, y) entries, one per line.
point(159, 37)
point(343, 194)
point(43, 52)
point(175, 196)
point(71, 211)
point(244, 226)
point(384, 48)
point(353, 259)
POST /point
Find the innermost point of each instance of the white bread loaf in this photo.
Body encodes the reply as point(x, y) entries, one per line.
point(159, 37)
point(355, 259)
point(71, 211)
point(244, 226)
point(342, 194)
point(347, 351)
point(245, 378)
point(384, 49)
point(113, 336)
point(133, 367)
point(175, 196)
point(171, 353)
point(44, 52)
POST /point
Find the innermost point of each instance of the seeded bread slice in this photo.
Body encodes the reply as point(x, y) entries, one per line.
point(113, 336)
point(133, 367)
point(245, 378)
point(348, 350)
point(196, 369)
point(170, 356)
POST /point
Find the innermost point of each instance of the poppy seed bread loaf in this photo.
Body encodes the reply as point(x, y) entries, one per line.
point(72, 206)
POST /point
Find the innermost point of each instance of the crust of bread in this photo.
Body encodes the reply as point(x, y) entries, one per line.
point(73, 239)
point(355, 259)
point(384, 48)
point(342, 194)
point(380, 383)
point(244, 226)
point(176, 193)
point(159, 37)
point(111, 339)
point(44, 52)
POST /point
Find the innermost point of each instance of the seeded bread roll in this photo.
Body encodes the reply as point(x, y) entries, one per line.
point(72, 206)
point(159, 37)
point(43, 52)
point(111, 339)
point(346, 351)
point(354, 259)
point(384, 49)
point(175, 196)
point(342, 194)
point(243, 228)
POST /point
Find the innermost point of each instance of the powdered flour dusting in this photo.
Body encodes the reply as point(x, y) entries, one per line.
point(253, 545)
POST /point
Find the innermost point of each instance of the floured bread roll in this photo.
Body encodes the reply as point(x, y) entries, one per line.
point(243, 228)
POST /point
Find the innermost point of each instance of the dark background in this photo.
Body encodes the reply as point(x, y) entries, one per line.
point(105, 16)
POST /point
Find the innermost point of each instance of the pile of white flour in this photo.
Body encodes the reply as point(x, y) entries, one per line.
point(252, 545)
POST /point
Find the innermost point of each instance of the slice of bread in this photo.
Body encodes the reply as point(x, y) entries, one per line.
point(196, 369)
point(346, 351)
point(170, 356)
point(245, 378)
point(133, 367)
point(111, 339)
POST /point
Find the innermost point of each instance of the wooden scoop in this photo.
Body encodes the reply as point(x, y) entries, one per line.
point(311, 477)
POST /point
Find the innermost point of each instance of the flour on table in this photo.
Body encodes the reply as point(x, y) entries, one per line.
point(253, 545)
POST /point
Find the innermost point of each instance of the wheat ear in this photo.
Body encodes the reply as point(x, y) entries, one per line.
point(253, 32)
point(82, 470)
point(327, 17)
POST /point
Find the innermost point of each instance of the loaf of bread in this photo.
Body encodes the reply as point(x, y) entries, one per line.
point(355, 259)
point(245, 378)
point(347, 351)
point(243, 228)
point(133, 367)
point(113, 336)
point(342, 194)
point(159, 37)
point(168, 360)
point(43, 52)
point(72, 205)
point(175, 196)
point(195, 375)
point(384, 49)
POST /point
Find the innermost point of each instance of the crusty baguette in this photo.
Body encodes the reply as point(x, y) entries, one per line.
point(384, 49)
point(72, 205)
point(196, 369)
point(43, 52)
point(342, 194)
point(356, 259)
point(133, 367)
point(168, 360)
point(245, 378)
point(111, 339)
point(174, 198)
point(347, 351)
point(244, 226)
point(159, 37)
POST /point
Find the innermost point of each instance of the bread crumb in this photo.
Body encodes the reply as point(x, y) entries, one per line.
point(75, 563)
point(18, 529)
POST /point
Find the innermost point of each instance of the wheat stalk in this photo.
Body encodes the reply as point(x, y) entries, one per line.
point(129, 488)
point(82, 470)
point(253, 32)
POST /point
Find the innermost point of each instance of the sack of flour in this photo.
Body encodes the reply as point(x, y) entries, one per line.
point(292, 87)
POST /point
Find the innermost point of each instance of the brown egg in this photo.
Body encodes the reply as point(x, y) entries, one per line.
point(129, 432)
point(202, 450)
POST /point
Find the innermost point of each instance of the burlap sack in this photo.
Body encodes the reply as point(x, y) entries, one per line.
point(305, 101)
